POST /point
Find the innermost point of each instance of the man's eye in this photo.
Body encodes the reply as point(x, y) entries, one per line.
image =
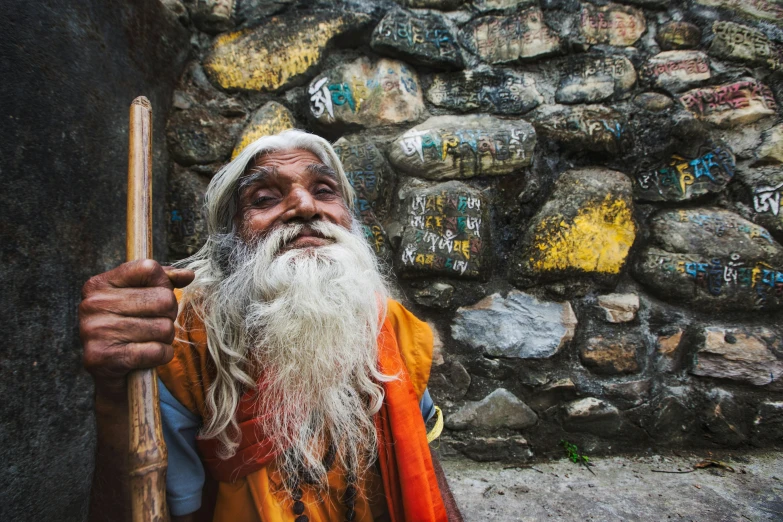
point(325, 190)
point(263, 201)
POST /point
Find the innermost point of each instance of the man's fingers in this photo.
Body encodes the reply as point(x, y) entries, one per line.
point(145, 355)
point(131, 302)
point(141, 273)
point(179, 277)
point(119, 329)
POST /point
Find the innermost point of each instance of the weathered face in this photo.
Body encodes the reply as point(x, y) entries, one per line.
point(289, 187)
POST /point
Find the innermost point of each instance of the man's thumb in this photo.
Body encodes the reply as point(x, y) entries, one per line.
point(179, 277)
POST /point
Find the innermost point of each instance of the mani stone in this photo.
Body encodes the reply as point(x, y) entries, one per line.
point(422, 39)
point(443, 5)
point(619, 308)
point(611, 356)
point(745, 354)
point(592, 79)
point(731, 104)
point(448, 147)
point(589, 127)
point(682, 179)
point(591, 415)
point(675, 71)
point(499, 5)
point(494, 91)
point(766, 189)
point(745, 44)
point(674, 36)
point(367, 170)
point(366, 93)
point(269, 120)
point(504, 39)
point(585, 227)
point(499, 409)
point(712, 258)
point(279, 52)
point(518, 326)
point(761, 9)
point(612, 24)
point(187, 228)
point(446, 231)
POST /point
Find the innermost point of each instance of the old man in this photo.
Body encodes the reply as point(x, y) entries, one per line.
point(292, 387)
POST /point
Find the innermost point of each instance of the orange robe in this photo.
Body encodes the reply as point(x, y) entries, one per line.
point(405, 490)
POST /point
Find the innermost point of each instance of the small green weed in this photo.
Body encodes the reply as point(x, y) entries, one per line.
point(572, 452)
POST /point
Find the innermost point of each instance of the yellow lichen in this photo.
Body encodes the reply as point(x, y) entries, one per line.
point(596, 240)
point(278, 120)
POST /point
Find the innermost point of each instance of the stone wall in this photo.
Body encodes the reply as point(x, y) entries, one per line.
point(583, 198)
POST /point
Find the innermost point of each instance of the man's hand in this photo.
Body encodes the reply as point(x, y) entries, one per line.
point(126, 319)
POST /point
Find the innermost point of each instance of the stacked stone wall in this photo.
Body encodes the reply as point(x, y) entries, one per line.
point(582, 198)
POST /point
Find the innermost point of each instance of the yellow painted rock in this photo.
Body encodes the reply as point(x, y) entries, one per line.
point(270, 119)
point(273, 55)
point(586, 226)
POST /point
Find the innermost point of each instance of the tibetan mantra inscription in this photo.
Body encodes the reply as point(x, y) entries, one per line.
point(612, 24)
point(592, 79)
point(422, 39)
point(731, 104)
point(447, 147)
point(682, 179)
point(366, 93)
point(502, 39)
point(675, 71)
point(497, 91)
point(739, 42)
point(446, 231)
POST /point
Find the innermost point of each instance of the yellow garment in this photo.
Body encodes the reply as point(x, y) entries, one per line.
point(259, 497)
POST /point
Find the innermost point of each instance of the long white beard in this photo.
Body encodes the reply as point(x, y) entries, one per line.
point(307, 321)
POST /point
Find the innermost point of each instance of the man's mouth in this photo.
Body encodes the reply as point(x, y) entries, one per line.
point(307, 238)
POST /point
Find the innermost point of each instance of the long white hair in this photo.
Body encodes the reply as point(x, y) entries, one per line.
point(306, 322)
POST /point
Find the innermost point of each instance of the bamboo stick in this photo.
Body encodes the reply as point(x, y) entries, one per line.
point(147, 458)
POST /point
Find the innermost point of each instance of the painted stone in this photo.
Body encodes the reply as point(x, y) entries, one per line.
point(518, 326)
point(765, 186)
point(443, 5)
point(740, 42)
point(504, 39)
point(366, 93)
point(447, 147)
point(612, 24)
point(213, 16)
point(446, 231)
point(674, 36)
point(423, 39)
point(590, 127)
point(591, 415)
point(771, 148)
point(653, 101)
point(494, 91)
point(745, 354)
point(675, 71)
point(436, 295)
point(372, 180)
point(592, 79)
point(611, 356)
point(277, 53)
point(187, 226)
point(619, 308)
point(731, 104)
point(682, 179)
point(760, 9)
point(269, 120)
point(712, 258)
point(499, 409)
point(499, 5)
point(586, 227)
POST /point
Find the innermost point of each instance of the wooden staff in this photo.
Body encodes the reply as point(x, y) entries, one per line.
point(147, 459)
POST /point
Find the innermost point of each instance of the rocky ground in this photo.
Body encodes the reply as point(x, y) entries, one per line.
point(654, 487)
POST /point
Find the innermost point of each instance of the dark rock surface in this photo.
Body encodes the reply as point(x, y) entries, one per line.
point(424, 39)
point(70, 71)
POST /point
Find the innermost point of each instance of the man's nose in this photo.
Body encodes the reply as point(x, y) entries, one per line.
point(301, 206)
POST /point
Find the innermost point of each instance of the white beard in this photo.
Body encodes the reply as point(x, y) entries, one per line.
point(307, 321)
